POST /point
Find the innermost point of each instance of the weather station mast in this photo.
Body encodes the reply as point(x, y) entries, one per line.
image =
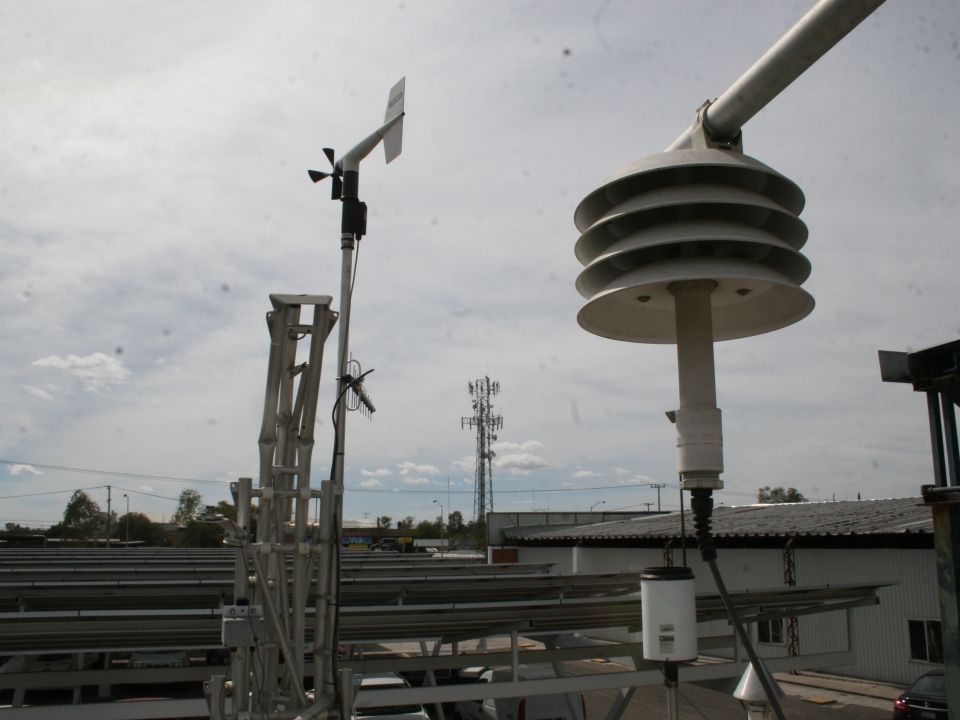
point(486, 424)
point(285, 560)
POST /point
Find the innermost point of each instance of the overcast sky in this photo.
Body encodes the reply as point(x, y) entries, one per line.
point(153, 192)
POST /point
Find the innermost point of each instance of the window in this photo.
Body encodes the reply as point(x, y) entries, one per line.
point(926, 642)
point(770, 631)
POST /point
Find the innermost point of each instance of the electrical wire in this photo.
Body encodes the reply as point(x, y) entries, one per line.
point(701, 503)
point(50, 492)
point(114, 473)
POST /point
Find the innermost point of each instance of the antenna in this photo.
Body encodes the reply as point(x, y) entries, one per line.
point(486, 424)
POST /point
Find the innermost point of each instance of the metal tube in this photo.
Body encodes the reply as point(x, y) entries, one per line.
point(670, 681)
point(270, 610)
point(699, 435)
point(950, 439)
point(240, 658)
point(936, 439)
point(823, 26)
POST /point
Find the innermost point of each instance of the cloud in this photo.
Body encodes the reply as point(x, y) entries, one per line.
point(530, 446)
point(371, 484)
point(636, 480)
point(96, 371)
point(621, 471)
point(585, 474)
point(519, 458)
point(469, 463)
point(38, 392)
point(21, 469)
point(519, 463)
point(407, 468)
point(416, 481)
point(379, 472)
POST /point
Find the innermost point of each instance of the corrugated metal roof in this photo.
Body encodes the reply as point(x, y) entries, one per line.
point(841, 518)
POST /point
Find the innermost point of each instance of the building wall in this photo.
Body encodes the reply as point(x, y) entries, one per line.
point(879, 633)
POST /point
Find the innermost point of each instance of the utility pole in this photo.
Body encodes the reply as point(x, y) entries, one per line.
point(481, 391)
point(657, 486)
point(109, 516)
point(127, 528)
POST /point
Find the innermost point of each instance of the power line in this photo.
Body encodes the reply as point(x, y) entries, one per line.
point(50, 492)
point(140, 492)
point(114, 473)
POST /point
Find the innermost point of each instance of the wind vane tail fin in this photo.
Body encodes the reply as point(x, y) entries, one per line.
point(393, 137)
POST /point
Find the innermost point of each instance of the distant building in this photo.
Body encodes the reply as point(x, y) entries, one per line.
point(769, 546)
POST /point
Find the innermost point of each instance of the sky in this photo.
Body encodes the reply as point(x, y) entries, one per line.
point(153, 193)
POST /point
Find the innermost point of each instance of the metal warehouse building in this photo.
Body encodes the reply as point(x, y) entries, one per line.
point(768, 547)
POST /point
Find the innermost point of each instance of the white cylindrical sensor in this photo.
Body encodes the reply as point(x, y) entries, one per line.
point(669, 612)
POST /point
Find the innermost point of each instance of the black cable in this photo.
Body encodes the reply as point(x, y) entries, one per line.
point(335, 543)
point(701, 503)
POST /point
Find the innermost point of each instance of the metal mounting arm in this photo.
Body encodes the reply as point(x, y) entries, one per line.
point(824, 25)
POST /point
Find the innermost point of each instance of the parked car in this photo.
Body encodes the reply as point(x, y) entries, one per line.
point(535, 707)
point(376, 681)
point(926, 699)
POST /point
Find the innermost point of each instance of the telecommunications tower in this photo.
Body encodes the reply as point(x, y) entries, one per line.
point(487, 424)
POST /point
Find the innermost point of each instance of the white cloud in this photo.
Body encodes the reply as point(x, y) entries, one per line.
point(379, 472)
point(22, 469)
point(585, 474)
point(416, 481)
point(636, 480)
point(38, 392)
point(371, 484)
point(621, 471)
point(407, 468)
point(469, 463)
point(530, 446)
point(519, 463)
point(96, 371)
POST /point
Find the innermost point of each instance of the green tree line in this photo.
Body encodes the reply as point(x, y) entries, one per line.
point(85, 522)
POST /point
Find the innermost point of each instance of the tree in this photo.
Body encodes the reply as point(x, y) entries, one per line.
point(82, 517)
point(455, 522)
point(406, 523)
point(188, 507)
point(227, 509)
point(767, 494)
point(140, 529)
point(426, 529)
point(384, 521)
point(197, 533)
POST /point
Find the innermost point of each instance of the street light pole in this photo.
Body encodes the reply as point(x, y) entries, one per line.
point(441, 525)
point(127, 523)
point(599, 502)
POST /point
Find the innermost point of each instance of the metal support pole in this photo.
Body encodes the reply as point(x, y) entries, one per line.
point(109, 515)
point(332, 499)
point(240, 658)
point(946, 530)
point(950, 439)
point(936, 439)
point(270, 610)
point(670, 681)
point(699, 436)
point(824, 25)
